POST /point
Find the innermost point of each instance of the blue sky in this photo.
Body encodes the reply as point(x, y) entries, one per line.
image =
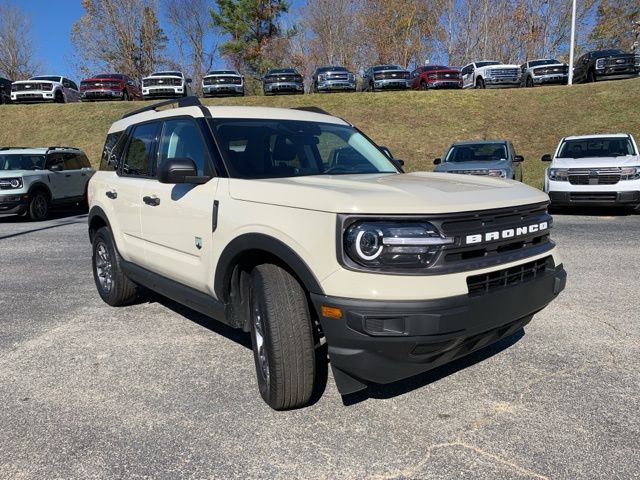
point(51, 25)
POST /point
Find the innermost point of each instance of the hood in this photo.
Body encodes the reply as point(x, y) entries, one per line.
point(595, 162)
point(477, 165)
point(210, 75)
point(34, 81)
point(162, 76)
point(391, 70)
point(412, 193)
point(502, 65)
point(101, 79)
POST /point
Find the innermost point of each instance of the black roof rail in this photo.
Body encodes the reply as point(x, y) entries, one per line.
point(59, 147)
point(14, 148)
point(190, 101)
point(312, 109)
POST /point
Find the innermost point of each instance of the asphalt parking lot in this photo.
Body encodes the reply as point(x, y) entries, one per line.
point(157, 391)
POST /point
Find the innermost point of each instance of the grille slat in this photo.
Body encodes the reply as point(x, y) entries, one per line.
point(504, 72)
point(600, 176)
point(509, 277)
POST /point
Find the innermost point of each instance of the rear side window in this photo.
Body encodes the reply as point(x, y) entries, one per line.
point(109, 160)
point(84, 161)
point(139, 150)
point(181, 139)
point(71, 162)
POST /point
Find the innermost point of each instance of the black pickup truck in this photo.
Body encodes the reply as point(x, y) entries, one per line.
point(608, 64)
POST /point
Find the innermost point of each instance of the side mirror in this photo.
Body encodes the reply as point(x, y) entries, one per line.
point(56, 167)
point(437, 161)
point(518, 158)
point(179, 170)
point(400, 163)
point(386, 151)
point(189, 80)
point(546, 157)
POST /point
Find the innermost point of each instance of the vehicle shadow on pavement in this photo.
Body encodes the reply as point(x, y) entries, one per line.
point(594, 211)
point(384, 392)
point(72, 217)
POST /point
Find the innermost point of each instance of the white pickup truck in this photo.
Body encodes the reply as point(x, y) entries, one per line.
point(490, 73)
point(594, 170)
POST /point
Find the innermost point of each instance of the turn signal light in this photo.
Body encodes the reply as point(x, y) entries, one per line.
point(331, 312)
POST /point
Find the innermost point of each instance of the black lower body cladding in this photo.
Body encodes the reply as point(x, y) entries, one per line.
point(595, 199)
point(382, 342)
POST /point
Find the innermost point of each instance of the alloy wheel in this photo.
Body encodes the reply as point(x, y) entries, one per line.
point(104, 267)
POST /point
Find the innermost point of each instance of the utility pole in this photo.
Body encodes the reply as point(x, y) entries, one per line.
point(573, 41)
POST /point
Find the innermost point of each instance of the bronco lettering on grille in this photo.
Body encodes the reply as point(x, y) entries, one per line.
point(507, 233)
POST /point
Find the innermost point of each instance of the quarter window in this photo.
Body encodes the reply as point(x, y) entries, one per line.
point(109, 160)
point(139, 150)
point(181, 139)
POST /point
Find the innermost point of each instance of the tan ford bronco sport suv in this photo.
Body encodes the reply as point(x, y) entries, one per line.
point(294, 226)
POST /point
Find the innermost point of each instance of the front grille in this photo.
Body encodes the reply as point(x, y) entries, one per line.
point(152, 82)
point(594, 177)
point(509, 277)
point(335, 76)
point(444, 76)
point(397, 75)
point(499, 251)
point(551, 71)
point(98, 84)
point(504, 72)
point(22, 87)
point(223, 80)
point(620, 62)
point(283, 78)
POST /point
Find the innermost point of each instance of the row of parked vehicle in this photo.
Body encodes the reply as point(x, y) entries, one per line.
point(590, 67)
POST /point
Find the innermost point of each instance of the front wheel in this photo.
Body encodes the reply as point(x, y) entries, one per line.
point(125, 96)
point(529, 82)
point(591, 76)
point(38, 206)
point(424, 86)
point(282, 338)
point(112, 284)
point(480, 83)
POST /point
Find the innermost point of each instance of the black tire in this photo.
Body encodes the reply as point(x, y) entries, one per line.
point(125, 96)
point(424, 86)
point(529, 82)
point(591, 76)
point(282, 338)
point(372, 87)
point(106, 264)
point(59, 97)
point(38, 208)
point(480, 83)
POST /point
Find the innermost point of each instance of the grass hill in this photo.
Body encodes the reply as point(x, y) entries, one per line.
point(416, 126)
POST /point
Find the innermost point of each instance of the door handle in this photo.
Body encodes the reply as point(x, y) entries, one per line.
point(151, 200)
point(67, 175)
point(111, 194)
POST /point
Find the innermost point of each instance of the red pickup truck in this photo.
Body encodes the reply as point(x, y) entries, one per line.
point(435, 76)
point(110, 86)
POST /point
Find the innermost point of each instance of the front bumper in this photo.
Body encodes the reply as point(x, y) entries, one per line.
point(101, 94)
point(33, 96)
point(551, 79)
point(336, 86)
point(12, 204)
point(279, 87)
point(502, 81)
point(595, 198)
point(616, 73)
point(222, 89)
point(392, 84)
point(444, 83)
point(163, 92)
point(382, 342)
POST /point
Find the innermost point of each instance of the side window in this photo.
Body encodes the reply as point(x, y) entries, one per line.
point(136, 160)
point(73, 85)
point(66, 83)
point(55, 159)
point(71, 161)
point(83, 160)
point(181, 139)
point(109, 160)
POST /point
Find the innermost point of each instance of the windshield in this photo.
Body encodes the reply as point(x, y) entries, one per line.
point(277, 71)
point(48, 79)
point(484, 64)
point(387, 67)
point(606, 53)
point(596, 147)
point(331, 69)
point(537, 63)
point(166, 74)
point(109, 75)
point(222, 72)
point(259, 148)
point(477, 152)
point(13, 161)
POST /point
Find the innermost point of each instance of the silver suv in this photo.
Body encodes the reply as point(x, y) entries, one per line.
point(294, 226)
point(34, 180)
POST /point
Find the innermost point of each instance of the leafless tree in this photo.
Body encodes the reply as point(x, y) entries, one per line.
point(17, 59)
point(190, 27)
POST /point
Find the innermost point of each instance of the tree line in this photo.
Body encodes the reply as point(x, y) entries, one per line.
point(253, 35)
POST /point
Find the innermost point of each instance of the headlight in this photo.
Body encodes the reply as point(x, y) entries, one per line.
point(630, 173)
point(322, 77)
point(393, 244)
point(559, 174)
point(11, 183)
point(497, 173)
point(600, 63)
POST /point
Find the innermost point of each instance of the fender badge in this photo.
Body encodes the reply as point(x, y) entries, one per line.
point(198, 241)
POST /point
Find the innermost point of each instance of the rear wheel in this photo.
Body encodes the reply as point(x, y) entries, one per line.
point(282, 338)
point(38, 206)
point(113, 285)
